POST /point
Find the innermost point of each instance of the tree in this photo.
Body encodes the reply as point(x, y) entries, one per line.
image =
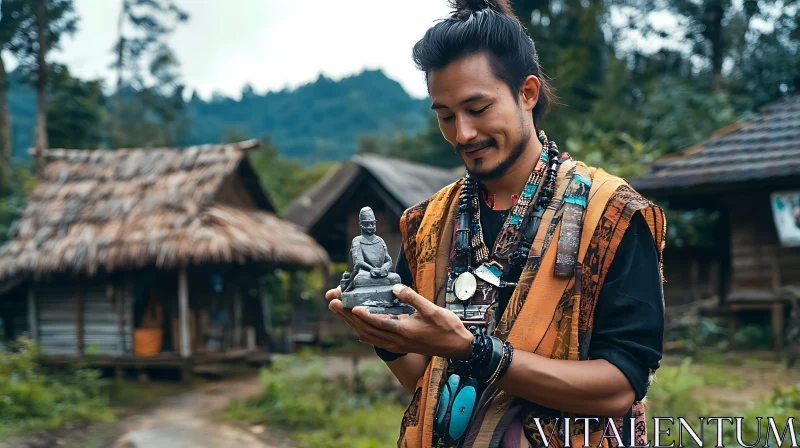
point(51, 20)
point(428, 147)
point(80, 107)
point(717, 33)
point(150, 21)
point(14, 15)
point(284, 179)
point(142, 27)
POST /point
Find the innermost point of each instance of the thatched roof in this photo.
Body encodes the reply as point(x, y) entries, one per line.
point(107, 210)
point(406, 184)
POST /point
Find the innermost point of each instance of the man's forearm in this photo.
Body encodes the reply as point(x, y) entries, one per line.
point(409, 369)
point(593, 387)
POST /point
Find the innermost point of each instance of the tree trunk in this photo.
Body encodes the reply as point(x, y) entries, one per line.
point(41, 81)
point(115, 127)
point(5, 132)
point(120, 51)
point(714, 13)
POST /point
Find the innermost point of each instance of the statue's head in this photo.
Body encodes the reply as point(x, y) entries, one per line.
point(366, 220)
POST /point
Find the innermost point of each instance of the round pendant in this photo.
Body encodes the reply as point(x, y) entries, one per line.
point(465, 286)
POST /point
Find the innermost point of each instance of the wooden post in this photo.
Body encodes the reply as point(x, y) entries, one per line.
point(33, 317)
point(694, 279)
point(116, 298)
point(265, 302)
point(79, 330)
point(237, 316)
point(293, 325)
point(777, 324)
point(183, 312)
point(251, 338)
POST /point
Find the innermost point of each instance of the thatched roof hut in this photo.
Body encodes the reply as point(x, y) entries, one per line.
point(169, 244)
point(130, 208)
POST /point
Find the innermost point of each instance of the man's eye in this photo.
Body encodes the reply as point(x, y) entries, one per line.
point(479, 111)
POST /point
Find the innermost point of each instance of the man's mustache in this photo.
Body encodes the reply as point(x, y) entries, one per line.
point(476, 145)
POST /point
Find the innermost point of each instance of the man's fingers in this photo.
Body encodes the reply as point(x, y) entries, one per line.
point(386, 322)
point(410, 297)
point(333, 294)
point(366, 332)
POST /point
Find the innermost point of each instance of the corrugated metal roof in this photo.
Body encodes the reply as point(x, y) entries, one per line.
point(766, 147)
point(407, 182)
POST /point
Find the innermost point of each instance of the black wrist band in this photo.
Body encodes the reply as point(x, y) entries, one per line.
point(386, 355)
point(488, 371)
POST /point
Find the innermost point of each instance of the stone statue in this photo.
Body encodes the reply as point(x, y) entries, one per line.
point(370, 282)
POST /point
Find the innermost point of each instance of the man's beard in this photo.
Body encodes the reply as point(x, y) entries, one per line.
point(501, 169)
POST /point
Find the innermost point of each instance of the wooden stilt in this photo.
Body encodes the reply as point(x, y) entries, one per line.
point(33, 317)
point(183, 312)
point(237, 316)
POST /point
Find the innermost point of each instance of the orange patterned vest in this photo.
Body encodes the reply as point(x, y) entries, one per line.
point(548, 314)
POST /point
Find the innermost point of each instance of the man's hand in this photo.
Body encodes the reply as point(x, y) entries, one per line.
point(431, 331)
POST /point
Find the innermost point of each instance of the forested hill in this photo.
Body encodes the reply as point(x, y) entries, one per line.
point(318, 121)
point(321, 120)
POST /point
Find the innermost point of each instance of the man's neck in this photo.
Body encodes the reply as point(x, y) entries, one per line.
point(514, 180)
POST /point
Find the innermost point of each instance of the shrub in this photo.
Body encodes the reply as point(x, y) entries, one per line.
point(32, 399)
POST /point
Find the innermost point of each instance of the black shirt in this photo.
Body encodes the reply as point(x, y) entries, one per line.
point(629, 317)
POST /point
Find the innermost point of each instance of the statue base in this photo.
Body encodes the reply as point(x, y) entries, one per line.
point(376, 299)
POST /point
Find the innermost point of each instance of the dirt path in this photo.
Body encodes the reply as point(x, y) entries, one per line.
point(187, 421)
point(183, 421)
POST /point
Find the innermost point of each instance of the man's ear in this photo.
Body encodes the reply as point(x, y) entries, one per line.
point(529, 92)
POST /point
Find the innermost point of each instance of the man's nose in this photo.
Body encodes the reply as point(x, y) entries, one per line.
point(465, 130)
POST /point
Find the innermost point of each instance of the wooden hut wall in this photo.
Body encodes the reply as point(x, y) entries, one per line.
point(758, 261)
point(690, 274)
point(57, 314)
point(337, 229)
point(105, 321)
point(83, 316)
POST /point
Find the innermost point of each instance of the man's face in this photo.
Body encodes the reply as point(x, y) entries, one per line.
point(479, 116)
point(368, 227)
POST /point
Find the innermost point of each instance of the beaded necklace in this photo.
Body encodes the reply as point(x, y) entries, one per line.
point(474, 274)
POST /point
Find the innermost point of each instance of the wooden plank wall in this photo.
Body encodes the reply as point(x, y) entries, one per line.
point(101, 332)
point(758, 261)
point(690, 274)
point(57, 310)
point(104, 314)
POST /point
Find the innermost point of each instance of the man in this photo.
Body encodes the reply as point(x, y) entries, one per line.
point(569, 257)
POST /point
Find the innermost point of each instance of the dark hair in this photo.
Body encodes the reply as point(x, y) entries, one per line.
point(485, 26)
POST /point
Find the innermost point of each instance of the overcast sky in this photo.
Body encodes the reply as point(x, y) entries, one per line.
point(270, 44)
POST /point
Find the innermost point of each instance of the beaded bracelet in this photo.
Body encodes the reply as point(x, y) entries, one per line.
point(488, 362)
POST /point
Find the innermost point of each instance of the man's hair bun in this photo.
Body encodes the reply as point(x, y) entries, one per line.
point(465, 8)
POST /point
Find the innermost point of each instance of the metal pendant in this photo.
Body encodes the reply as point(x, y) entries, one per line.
point(490, 272)
point(465, 286)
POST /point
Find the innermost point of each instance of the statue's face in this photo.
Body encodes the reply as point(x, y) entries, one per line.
point(368, 227)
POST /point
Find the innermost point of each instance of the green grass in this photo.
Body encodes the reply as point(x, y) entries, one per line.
point(323, 412)
point(677, 391)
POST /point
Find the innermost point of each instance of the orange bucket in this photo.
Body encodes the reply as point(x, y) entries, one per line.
point(147, 342)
